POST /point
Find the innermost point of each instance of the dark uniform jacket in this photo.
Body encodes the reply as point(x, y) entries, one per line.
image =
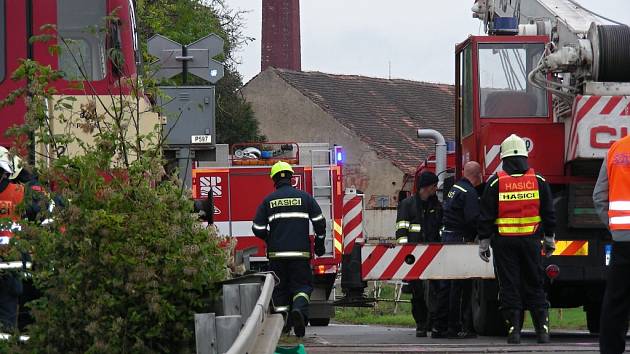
point(288, 212)
point(490, 202)
point(461, 209)
point(419, 221)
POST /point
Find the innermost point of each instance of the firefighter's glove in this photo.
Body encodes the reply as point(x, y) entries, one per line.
point(320, 247)
point(484, 249)
point(549, 245)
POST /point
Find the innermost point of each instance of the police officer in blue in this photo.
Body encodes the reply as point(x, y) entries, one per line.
point(461, 212)
point(282, 221)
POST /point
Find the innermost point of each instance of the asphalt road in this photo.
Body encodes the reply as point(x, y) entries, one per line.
point(342, 338)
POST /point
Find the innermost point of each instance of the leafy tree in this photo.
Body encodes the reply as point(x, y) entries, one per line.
point(185, 21)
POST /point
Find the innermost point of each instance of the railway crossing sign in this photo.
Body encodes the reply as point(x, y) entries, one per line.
point(194, 58)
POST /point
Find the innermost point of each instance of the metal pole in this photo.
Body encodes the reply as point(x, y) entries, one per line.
point(440, 153)
point(184, 65)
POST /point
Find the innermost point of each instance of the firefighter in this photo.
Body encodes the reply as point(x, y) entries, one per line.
point(516, 212)
point(461, 211)
point(611, 198)
point(419, 219)
point(11, 287)
point(282, 221)
point(36, 194)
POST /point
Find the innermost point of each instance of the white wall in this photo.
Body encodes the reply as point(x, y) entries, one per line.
point(380, 223)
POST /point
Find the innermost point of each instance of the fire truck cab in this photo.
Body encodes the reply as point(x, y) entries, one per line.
point(239, 181)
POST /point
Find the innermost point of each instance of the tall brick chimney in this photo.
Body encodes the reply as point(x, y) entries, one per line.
point(280, 35)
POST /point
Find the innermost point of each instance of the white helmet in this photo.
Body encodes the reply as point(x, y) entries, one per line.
point(513, 145)
point(14, 164)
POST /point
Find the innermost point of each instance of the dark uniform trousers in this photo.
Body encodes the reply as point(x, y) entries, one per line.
point(295, 287)
point(454, 297)
point(420, 306)
point(518, 265)
point(10, 290)
point(616, 305)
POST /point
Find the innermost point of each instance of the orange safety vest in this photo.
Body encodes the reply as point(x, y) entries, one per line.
point(618, 168)
point(10, 198)
point(519, 204)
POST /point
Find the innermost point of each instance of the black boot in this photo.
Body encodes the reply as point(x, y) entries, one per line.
point(513, 318)
point(299, 323)
point(540, 317)
point(421, 331)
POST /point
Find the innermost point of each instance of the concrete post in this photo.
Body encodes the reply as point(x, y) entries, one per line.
point(249, 294)
point(228, 328)
point(231, 299)
point(205, 333)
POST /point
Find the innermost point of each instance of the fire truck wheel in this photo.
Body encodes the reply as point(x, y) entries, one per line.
point(487, 318)
point(592, 319)
point(319, 322)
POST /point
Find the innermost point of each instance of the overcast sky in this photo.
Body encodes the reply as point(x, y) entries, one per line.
point(364, 36)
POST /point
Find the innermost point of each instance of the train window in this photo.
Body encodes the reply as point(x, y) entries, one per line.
point(504, 91)
point(81, 30)
point(2, 43)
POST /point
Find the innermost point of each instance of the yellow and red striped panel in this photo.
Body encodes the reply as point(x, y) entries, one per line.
point(571, 248)
point(338, 232)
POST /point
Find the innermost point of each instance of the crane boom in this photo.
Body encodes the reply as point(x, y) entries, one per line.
point(569, 20)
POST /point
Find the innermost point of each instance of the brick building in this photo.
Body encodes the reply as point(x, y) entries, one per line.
point(374, 119)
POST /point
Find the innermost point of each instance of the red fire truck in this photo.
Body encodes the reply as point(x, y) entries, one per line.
point(239, 185)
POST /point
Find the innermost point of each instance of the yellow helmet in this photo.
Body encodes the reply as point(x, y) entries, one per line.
point(513, 145)
point(280, 166)
point(14, 163)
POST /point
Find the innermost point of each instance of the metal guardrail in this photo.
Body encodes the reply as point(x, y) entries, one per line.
point(260, 322)
point(247, 324)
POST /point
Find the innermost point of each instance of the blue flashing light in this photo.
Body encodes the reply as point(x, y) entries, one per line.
point(505, 26)
point(338, 154)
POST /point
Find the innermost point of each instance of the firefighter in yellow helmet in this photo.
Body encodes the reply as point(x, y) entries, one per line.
point(282, 221)
point(516, 213)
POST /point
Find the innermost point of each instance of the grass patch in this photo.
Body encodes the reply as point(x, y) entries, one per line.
point(385, 313)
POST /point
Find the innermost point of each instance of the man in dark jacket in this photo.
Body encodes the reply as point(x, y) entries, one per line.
point(516, 213)
point(282, 221)
point(461, 211)
point(419, 219)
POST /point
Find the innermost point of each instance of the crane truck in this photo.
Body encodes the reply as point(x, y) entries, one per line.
point(558, 75)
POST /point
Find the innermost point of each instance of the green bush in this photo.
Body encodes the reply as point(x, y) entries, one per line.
point(123, 268)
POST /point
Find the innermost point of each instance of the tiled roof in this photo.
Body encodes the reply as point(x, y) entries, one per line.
point(383, 113)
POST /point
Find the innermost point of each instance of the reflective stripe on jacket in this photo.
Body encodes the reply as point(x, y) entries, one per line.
point(618, 168)
point(282, 221)
point(419, 221)
point(519, 204)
